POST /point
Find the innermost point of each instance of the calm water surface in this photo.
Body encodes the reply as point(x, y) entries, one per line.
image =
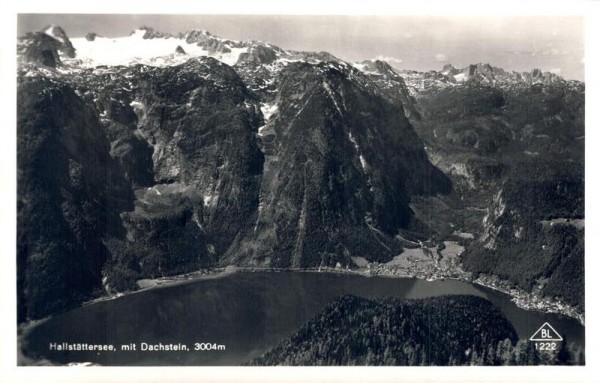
point(248, 313)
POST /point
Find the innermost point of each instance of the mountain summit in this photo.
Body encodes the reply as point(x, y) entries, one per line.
point(66, 47)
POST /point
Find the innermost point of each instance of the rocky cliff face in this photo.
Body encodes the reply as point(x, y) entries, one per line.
point(201, 122)
point(341, 165)
point(65, 46)
point(186, 138)
point(39, 48)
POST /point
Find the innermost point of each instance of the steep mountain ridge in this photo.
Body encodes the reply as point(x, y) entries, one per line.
point(195, 125)
point(341, 164)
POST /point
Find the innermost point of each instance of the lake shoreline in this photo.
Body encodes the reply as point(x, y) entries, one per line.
point(334, 277)
point(522, 299)
point(221, 272)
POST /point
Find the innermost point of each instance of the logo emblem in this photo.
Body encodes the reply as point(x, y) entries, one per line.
point(546, 333)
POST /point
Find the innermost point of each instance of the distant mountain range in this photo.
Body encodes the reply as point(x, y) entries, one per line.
point(152, 155)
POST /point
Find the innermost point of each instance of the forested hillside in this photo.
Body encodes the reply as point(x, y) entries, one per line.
point(451, 330)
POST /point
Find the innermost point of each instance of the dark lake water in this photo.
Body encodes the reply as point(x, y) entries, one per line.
point(248, 313)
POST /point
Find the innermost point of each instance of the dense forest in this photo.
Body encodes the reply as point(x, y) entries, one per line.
point(450, 330)
point(526, 251)
point(552, 254)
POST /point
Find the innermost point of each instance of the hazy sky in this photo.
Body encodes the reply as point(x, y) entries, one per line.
point(550, 43)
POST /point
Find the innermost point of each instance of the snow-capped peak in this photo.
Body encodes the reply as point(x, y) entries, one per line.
point(147, 46)
point(66, 48)
point(55, 31)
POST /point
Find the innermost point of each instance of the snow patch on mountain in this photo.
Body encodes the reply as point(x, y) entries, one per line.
point(361, 158)
point(134, 49)
point(332, 96)
point(268, 109)
point(50, 31)
point(353, 140)
point(364, 68)
point(460, 77)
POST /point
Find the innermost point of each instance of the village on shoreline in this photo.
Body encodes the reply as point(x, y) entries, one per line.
point(422, 263)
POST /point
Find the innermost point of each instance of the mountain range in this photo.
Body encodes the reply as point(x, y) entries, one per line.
point(155, 154)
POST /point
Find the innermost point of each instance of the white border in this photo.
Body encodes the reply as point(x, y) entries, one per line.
point(10, 373)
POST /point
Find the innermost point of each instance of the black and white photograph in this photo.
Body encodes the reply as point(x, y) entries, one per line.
point(307, 190)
